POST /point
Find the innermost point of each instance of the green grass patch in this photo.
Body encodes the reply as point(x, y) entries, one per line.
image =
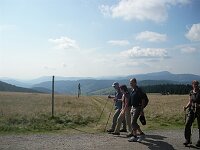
point(43, 123)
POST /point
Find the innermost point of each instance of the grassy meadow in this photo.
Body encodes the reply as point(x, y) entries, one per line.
point(27, 112)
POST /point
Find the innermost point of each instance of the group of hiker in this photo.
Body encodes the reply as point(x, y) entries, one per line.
point(130, 104)
point(127, 105)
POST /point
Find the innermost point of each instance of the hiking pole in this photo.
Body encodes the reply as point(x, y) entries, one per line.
point(109, 117)
point(102, 111)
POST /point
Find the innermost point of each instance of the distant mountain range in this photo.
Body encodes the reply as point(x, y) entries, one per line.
point(165, 75)
point(12, 88)
point(69, 85)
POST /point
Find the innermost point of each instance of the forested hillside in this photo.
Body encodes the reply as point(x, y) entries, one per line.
point(168, 89)
point(12, 88)
point(163, 89)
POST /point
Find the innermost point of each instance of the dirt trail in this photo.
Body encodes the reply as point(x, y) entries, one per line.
point(155, 140)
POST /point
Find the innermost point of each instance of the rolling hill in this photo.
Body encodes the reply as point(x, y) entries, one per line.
point(12, 88)
point(69, 85)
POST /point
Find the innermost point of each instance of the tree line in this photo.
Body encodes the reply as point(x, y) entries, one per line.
point(166, 89)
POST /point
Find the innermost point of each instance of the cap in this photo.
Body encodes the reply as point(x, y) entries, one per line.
point(115, 84)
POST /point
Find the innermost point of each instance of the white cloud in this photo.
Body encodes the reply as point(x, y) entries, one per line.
point(64, 43)
point(194, 33)
point(154, 10)
point(137, 52)
point(151, 36)
point(119, 42)
point(189, 50)
point(105, 10)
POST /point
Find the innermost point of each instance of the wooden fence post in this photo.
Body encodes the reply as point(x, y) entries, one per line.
point(52, 97)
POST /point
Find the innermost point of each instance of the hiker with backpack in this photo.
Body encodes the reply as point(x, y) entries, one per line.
point(137, 101)
point(193, 112)
point(125, 111)
point(117, 99)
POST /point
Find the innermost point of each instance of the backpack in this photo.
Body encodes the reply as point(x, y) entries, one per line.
point(146, 99)
point(144, 96)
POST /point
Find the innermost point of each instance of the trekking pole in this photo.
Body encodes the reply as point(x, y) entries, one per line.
point(102, 111)
point(109, 117)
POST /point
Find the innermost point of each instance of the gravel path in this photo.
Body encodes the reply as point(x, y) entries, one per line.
point(155, 140)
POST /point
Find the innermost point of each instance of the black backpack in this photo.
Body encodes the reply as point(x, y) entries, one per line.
point(144, 96)
point(146, 99)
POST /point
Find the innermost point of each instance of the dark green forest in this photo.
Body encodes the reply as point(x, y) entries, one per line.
point(168, 89)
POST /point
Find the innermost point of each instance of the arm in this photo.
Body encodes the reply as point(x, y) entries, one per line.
point(114, 98)
point(109, 96)
point(143, 103)
point(142, 107)
point(188, 104)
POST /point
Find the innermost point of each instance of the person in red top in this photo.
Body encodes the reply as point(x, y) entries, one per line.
point(125, 111)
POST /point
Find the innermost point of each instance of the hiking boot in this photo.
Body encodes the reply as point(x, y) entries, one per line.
point(141, 137)
point(198, 143)
point(142, 120)
point(110, 130)
point(123, 130)
point(187, 142)
point(133, 139)
point(115, 133)
point(129, 135)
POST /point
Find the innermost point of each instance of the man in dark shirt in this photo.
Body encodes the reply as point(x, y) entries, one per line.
point(137, 103)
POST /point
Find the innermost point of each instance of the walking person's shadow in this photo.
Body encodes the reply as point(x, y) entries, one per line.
point(156, 142)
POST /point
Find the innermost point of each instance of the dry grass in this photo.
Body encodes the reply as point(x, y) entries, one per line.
point(32, 112)
point(24, 104)
point(26, 111)
point(166, 111)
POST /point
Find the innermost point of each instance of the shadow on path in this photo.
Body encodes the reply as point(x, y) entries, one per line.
point(192, 146)
point(156, 142)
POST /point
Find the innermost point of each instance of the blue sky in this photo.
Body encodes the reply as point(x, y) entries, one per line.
point(92, 38)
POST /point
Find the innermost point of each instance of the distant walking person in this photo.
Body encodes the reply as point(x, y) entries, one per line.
point(137, 102)
point(193, 112)
point(125, 111)
point(118, 106)
point(79, 90)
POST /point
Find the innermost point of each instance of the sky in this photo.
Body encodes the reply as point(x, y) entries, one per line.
point(93, 38)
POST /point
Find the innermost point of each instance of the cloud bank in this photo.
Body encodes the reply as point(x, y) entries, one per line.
point(151, 36)
point(138, 52)
point(153, 10)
